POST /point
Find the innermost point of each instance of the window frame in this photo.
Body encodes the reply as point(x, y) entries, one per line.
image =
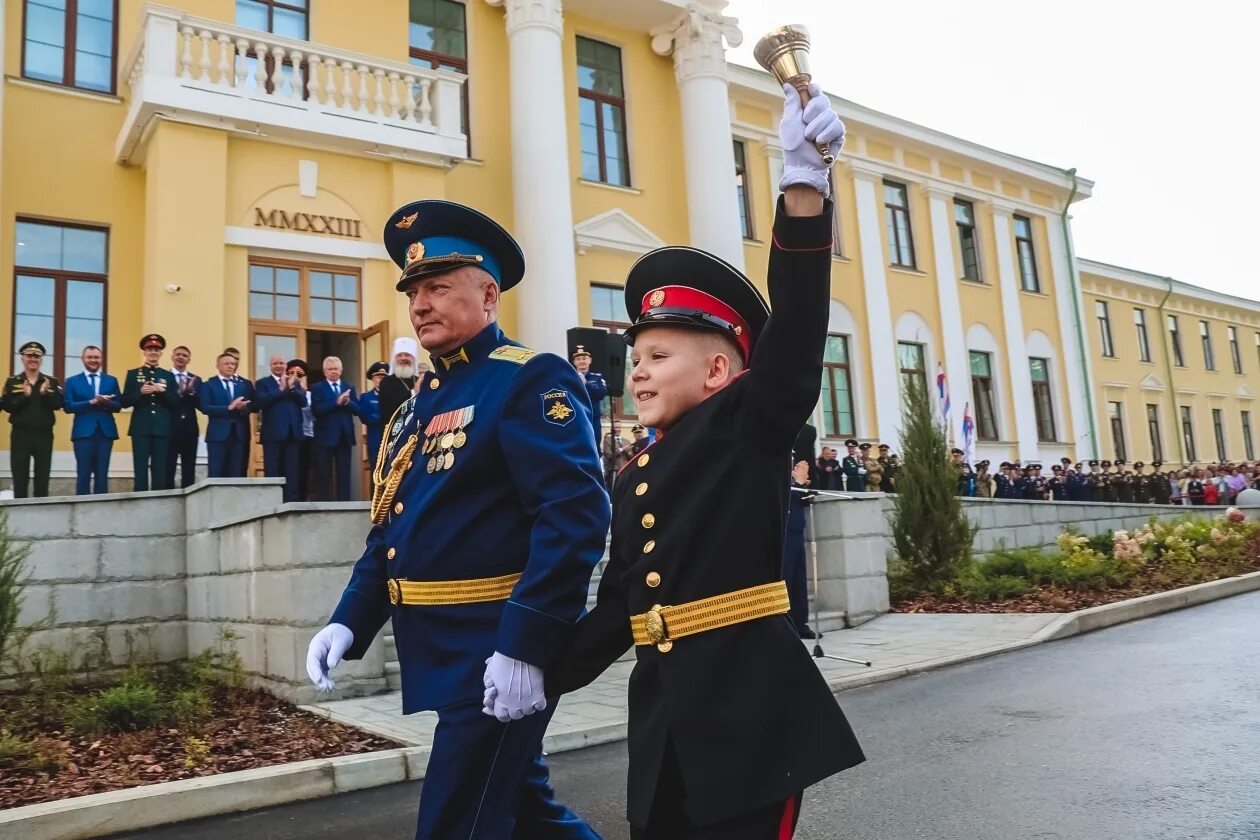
point(829, 381)
point(1174, 332)
point(974, 229)
point(1205, 338)
point(895, 244)
point(1249, 448)
point(71, 40)
point(739, 147)
point(1235, 351)
point(1031, 255)
point(304, 270)
point(986, 409)
point(601, 99)
point(1218, 432)
point(61, 278)
point(1115, 419)
point(438, 59)
point(1187, 433)
point(903, 372)
point(1143, 335)
point(1154, 432)
point(1043, 392)
point(271, 15)
point(1102, 312)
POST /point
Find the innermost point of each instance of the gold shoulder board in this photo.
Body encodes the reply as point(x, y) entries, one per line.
point(508, 353)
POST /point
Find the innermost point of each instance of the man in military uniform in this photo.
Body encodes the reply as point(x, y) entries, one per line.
point(984, 481)
point(1160, 489)
point(1103, 490)
point(729, 720)
point(1002, 481)
point(851, 466)
point(1124, 483)
point(596, 387)
point(1140, 485)
point(1093, 486)
point(1076, 485)
point(1057, 486)
point(888, 462)
point(32, 399)
point(490, 515)
point(966, 477)
point(151, 392)
point(874, 470)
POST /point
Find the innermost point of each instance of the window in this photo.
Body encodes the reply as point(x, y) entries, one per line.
point(1248, 447)
point(1115, 414)
point(741, 187)
point(837, 388)
point(59, 292)
point(965, 219)
point(1143, 340)
point(1152, 429)
point(1104, 328)
point(1043, 401)
point(1205, 335)
point(1218, 431)
point(602, 113)
point(1187, 433)
point(1175, 336)
point(982, 395)
point(437, 38)
point(1235, 354)
point(283, 17)
point(913, 368)
point(70, 42)
point(302, 294)
point(1028, 279)
point(608, 311)
point(897, 214)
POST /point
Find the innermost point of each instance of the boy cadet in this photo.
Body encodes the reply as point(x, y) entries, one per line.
point(730, 719)
point(490, 516)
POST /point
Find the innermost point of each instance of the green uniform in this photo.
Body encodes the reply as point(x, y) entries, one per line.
point(33, 418)
point(150, 430)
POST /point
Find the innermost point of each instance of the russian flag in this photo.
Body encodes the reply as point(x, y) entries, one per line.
point(942, 393)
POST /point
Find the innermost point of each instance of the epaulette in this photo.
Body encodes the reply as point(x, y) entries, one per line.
point(510, 353)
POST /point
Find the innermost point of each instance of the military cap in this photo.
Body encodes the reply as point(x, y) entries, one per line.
point(956, 451)
point(32, 347)
point(682, 286)
point(1137, 465)
point(1034, 466)
point(377, 367)
point(1065, 460)
point(1057, 467)
point(850, 442)
point(864, 447)
point(982, 463)
point(638, 427)
point(299, 364)
point(1119, 462)
point(581, 351)
point(153, 340)
point(1106, 463)
point(1093, 462)
point(883, 446)
point(430, 237)
point(1157, 464)
point(1005, 465)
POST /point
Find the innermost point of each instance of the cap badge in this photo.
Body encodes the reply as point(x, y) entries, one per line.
point(657, 298)
point(415, 251)
point(407, 221)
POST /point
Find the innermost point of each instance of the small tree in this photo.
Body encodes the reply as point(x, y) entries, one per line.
point(931, 534)
point(12, 560)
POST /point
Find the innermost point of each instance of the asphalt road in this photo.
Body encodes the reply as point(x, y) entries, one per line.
point(1148, 731)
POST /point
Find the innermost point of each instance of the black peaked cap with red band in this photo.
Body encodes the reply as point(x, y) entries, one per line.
point(680, 286)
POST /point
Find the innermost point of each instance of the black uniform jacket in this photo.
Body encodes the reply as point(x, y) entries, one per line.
point(751, 719)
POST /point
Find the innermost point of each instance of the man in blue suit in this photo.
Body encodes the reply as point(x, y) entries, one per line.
point(185, 430)
point(227, 399)
point(92, 398)
point(280, 398)
point(490, 518)
point(334, 405)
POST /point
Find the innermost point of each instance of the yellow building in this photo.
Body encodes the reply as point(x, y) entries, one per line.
point(1176, 367)
point(219, 171)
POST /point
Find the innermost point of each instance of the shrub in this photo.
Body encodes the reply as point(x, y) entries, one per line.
point(123, 708)
point(1102, 543)
point(189, 707)
point(41, 755)
point(978, 583)
point(931, 534)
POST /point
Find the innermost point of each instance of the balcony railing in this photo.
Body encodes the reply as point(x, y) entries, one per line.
point(205, 72)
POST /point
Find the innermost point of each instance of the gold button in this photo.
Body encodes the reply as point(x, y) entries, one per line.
point(665, 646)
point(398, 508)
point(641, 489)
point(648, 520)
point(433, 384)
point(653, 579)
point(649, 546)
point(643, 459)
point(390, 554)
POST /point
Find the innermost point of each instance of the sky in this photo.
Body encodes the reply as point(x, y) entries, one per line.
point(1156, 102)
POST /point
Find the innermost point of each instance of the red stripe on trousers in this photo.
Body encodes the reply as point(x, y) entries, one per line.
point(787, 826)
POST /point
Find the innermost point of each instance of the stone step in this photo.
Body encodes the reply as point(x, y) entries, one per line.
point(393, 676)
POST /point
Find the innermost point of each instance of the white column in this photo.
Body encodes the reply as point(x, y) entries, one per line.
point(1016, 343)
point(883, 343)
point(953, 332)
point(1076, 368)
point(697, 40)
point(548, 302)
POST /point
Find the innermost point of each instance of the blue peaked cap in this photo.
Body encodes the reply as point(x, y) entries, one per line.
point(431, 237)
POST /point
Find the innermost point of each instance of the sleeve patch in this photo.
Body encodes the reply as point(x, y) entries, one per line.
point(557, 407)
point(518, 355)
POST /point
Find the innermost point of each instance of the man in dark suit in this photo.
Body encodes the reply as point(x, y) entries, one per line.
point(280, 398)
point(150, 391)
point(92, 398)
point(227, 400)
point(334, 404)
point(185, 428)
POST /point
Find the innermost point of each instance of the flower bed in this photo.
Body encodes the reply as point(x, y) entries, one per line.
point(1087, 572)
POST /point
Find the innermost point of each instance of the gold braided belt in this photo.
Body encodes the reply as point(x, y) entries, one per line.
point(661, 626)
point(441, 593)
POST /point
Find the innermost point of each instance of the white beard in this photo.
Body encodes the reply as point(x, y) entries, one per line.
point(404, 371)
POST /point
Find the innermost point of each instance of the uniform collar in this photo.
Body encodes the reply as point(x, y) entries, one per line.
point(470, 352)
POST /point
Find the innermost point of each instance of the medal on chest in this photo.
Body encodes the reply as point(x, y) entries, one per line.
point(444, 434)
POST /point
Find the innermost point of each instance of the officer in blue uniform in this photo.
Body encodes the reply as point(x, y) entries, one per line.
point(370, 411)
point(489, 516)
point(596, 387)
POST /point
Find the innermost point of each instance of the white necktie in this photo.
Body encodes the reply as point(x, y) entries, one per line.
point(96, 386)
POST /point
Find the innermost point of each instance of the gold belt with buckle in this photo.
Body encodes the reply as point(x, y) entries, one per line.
point(662, 626)
point(441, 593)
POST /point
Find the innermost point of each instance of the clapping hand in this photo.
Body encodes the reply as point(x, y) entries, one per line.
point(238, 403)
point(800, 473)
point(344, 398)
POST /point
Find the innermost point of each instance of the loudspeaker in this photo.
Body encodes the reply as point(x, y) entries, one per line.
point(608, 355)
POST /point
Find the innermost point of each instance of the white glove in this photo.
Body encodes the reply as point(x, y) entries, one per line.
point(800, 133)
point(325, 652)
point(514, 688)
point(861, 470)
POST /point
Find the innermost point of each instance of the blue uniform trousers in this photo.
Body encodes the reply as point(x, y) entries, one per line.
point(794, 576)
point(488, 781)
point(91, 461)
